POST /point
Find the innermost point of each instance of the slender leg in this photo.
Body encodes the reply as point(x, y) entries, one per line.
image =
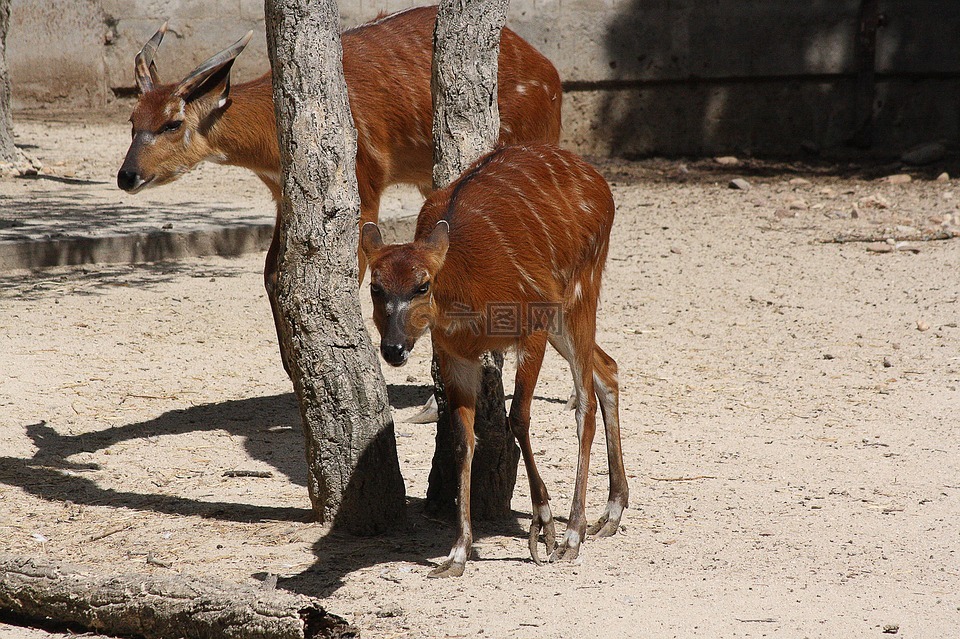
point(529, 360)
point(577, 349)
point(608, 392)
point(461, 379)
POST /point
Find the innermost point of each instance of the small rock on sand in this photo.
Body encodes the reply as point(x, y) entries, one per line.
point(740, 184)
point(899, 178)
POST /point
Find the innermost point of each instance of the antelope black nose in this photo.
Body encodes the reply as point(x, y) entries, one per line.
point(394, 354)
point(126, 180)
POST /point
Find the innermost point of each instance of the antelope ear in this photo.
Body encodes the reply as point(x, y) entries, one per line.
point(370, 240)
point(439, 240)
point(212, 78)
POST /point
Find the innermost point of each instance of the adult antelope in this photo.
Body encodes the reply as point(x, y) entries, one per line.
point(509, 256)
point(387, 66)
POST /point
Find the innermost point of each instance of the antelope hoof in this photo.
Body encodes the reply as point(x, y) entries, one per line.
point(549, 538)
point(449, 568)
point(429, 413)
point(609, 523)
point(565, 552)
point(569, 549)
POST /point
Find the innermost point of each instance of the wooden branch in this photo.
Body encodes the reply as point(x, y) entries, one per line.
point(934, 236)
point(160, 607)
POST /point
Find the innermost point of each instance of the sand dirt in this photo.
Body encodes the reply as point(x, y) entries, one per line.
point(789, 411)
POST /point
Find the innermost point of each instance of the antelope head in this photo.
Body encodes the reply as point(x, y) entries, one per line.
point(401, 286)
point(171, 122)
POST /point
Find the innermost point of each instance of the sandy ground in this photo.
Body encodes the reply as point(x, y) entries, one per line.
point(789, 409)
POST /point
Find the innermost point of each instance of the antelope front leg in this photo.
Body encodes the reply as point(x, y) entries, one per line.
point(529, 360)
point(586, 428)
point(460, 379)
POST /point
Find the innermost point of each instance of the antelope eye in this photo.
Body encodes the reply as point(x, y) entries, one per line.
point(424, 288)
point(171, 126)
point(376, 289)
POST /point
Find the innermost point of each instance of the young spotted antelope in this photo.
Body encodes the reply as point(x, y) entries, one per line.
point(509, 256)
point(387, 67)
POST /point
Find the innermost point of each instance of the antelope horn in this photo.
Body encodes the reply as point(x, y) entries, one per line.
point(146, 70)
point(220, 61)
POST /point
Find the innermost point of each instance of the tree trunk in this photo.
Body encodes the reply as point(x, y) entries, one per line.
point(354, 473)
point(466, 125)
point(159, 607)
point(8, 151)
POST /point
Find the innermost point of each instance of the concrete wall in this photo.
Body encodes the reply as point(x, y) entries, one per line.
point(643, 76)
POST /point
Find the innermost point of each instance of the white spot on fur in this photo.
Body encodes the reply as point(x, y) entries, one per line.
point(458, 555)
point(572, 538)
point(544, 513)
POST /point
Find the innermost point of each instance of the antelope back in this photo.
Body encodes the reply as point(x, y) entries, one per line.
point(387, 64)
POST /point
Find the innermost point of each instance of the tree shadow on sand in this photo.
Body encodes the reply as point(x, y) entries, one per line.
point(271, 432)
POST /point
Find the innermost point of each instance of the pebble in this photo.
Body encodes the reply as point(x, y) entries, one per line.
point(880, 247)
point(876, 201)
point(740, 184)
point(891, 628)
point(924, 154)
point(798, 204)
point(727, 160)
point(390, 610)
point(781, 214)
point(922, 326)
point(799, 181)
point(899, 178)
point(943, 177)
point(887, 363)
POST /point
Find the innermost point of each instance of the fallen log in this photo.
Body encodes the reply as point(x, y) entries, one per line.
point(160, 607)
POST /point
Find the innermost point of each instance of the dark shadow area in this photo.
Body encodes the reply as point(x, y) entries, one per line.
point(58, 179)
point(407, 395)
point(698, 77)
point(72, 227)
point(41, 283)
point(421, 537)
point(270, 428)
point(689, 170)
point(74, 211)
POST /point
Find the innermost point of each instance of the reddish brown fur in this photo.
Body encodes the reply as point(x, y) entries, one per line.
point(525, 226)
point(387, 68)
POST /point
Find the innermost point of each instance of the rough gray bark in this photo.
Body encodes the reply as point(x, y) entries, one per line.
point(466, 125)
point(159, 607)
point(8, 152)
point(354, 473)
